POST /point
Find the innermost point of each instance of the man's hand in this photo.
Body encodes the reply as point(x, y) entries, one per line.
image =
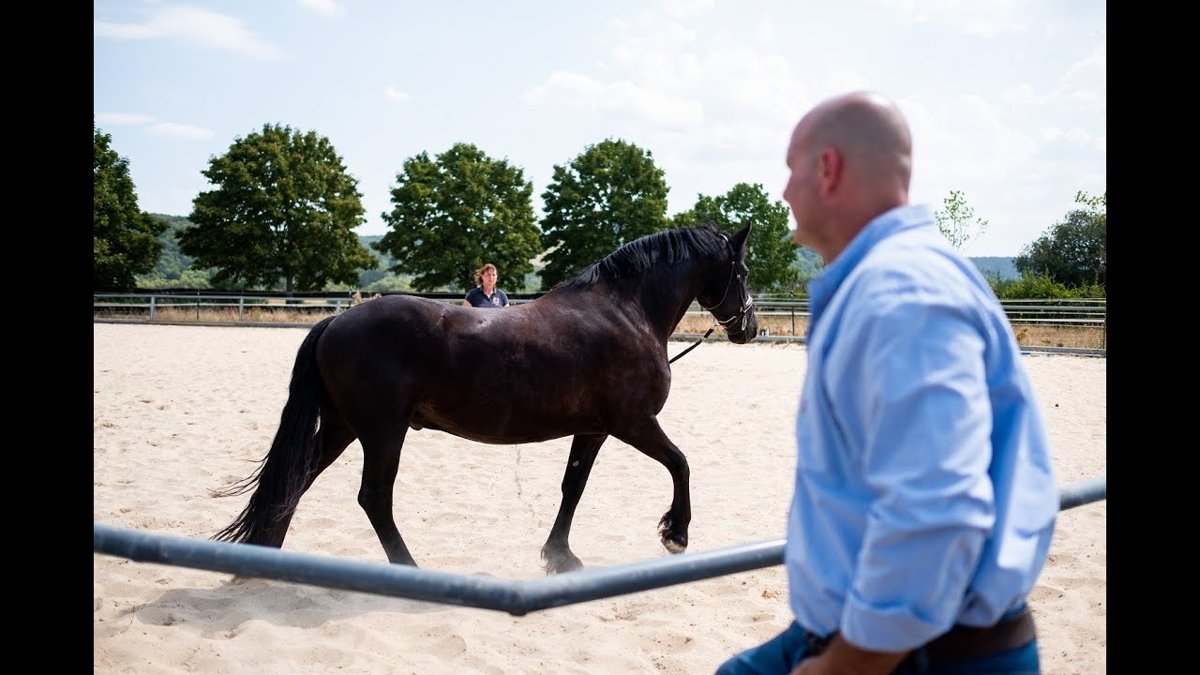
point(843, 658)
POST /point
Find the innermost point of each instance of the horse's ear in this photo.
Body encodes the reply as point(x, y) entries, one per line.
point(739, 239)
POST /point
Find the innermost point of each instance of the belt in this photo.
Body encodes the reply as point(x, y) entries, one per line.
point(960, 643)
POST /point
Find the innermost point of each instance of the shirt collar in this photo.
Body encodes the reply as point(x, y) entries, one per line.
point(822, 287)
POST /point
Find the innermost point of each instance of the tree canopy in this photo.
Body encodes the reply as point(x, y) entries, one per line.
point(1073, 252)
point(610, 194)
point(456, 212)
point(124, 239)
point(770, 251)
point(284, 208)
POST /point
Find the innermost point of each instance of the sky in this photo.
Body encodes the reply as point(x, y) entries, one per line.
point(1006, 99)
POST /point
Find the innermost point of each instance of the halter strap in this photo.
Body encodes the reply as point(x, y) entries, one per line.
point(745, 306)
point(743, 310)
point(694, 344)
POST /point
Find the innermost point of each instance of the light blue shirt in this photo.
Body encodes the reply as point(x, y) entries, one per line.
point(925, 493)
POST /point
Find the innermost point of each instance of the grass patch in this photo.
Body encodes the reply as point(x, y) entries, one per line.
point(1028, 335)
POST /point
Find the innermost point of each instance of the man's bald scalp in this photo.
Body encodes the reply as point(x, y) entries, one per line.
point(869, 131)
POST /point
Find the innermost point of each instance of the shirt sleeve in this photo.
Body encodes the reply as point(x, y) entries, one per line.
point(912, 399)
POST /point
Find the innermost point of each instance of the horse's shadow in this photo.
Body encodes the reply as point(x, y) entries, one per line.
point(238, 599)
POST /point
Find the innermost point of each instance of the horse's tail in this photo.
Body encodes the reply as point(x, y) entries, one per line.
point(283, 475)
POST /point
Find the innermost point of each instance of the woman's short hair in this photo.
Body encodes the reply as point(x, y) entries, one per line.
point(488, 267)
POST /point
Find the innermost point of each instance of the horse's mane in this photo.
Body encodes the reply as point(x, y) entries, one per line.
point(636, 258)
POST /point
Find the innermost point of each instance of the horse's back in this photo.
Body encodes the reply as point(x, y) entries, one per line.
point(394, 321)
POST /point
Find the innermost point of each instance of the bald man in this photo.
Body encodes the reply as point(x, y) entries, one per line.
point(925, 497)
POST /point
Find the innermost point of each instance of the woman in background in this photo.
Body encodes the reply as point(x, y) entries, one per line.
point(486, 294)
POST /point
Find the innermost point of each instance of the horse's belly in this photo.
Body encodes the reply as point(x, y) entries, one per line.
point(498, 426)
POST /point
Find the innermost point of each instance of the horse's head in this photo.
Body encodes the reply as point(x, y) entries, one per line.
point(725, 294)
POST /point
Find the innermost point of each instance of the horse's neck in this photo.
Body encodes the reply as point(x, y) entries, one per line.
point(664, 299)
point(657, 300)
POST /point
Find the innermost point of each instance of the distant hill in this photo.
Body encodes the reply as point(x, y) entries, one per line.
point(809, 264)
point(997, 265)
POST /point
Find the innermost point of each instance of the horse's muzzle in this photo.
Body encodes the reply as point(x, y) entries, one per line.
point(744, 329)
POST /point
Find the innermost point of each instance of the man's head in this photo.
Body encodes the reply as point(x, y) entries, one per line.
point(851, 160)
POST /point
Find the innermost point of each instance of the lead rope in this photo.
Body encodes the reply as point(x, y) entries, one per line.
point(696, 344)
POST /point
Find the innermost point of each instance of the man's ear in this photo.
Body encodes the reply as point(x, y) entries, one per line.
point(829, 170)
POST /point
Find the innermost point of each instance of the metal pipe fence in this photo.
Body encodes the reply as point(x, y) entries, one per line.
point(515, 597)
point(300, 309)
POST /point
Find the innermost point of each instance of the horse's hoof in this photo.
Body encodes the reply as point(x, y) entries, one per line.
point(560, 564)
point(674, 546)
point(672, 541)
point(570, 567)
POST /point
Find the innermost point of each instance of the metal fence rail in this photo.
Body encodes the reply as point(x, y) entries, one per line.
point(149, 305)
point(515, 597)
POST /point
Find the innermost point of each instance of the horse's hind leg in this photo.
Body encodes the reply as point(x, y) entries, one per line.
point(332, 438)
point(556, 551)
point(381, 460)
point(651, 441)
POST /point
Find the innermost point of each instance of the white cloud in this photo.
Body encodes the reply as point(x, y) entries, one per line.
point(175, 130)
point(972, 17)
point(154, 127)
point(326, 7)
point(623, 96)
point(765, 30)
point(1074, 137)
point(1022, 95)
point(397, 95)
point(679, 8)
point(191, 24)
point(122, 31)
point(970, 140)
point(123, 119)
point(1085, 81)
point(711, 98)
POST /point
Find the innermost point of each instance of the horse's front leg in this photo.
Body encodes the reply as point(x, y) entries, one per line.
point(650, 440)
point(556, 551)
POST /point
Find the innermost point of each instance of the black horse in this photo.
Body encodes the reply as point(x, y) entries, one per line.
point(588, 359)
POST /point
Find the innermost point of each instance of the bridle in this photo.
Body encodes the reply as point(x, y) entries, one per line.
point(741, 316)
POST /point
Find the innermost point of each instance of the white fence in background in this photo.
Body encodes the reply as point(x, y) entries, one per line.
point(150, 306)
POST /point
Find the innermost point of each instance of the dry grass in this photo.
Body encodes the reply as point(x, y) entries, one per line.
point(254, 314)
point(1028, 335)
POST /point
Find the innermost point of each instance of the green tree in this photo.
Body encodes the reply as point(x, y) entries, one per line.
point(770, 251)
point(957, 222)
point(456, 212)
point(807, 266)
point(610, 194)
point(1073, 252)
point(284, 208)
point(124, 239)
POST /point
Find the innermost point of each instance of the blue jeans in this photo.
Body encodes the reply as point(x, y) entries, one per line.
point(782, 653)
